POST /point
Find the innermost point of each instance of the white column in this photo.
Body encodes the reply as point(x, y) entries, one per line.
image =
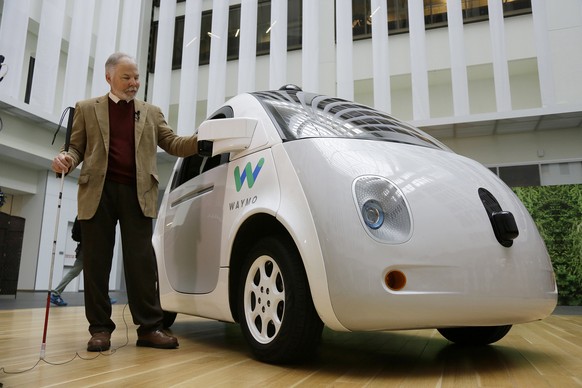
point(164, 50)
point(217, 66)
point(500, 68)
point(189, 73)
point(48, 53)
point(418, 63)
point(344, 51)
point(310, 50)
point(278, 53)
point(542, 41)
point(75, 86)
point(327, 66)
point(380, 56)
point(13, 34)
point(130, 25)
point(247, 57)
point(105, 45)
point(458, 63)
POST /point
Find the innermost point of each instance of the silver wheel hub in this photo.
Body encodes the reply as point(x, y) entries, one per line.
point(264, 299)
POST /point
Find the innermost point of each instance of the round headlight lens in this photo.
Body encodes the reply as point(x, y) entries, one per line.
point(373, 214)
point(383, 209)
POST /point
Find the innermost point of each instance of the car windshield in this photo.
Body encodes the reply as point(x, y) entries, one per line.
point(300, 115)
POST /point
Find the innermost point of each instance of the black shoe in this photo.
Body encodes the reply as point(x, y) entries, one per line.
point(157, 339)
point(99, 342)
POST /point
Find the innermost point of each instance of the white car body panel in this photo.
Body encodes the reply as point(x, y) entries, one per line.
point(295, 215)
point(262, 198)
point(447, 276)
point(237, 135)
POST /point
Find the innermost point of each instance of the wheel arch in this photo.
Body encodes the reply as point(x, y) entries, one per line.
point(257, 225)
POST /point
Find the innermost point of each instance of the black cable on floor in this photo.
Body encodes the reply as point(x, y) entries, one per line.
point(77, 355)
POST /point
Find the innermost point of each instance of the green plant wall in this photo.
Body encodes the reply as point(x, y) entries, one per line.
point(557, 212)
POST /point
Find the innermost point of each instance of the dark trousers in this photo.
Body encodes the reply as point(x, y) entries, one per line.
point(119, 203)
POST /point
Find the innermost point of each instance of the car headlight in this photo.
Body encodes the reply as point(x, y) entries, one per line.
point(373, 214)
point(383, 209)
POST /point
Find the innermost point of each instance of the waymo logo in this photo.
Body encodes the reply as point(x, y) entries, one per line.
point(248, 174)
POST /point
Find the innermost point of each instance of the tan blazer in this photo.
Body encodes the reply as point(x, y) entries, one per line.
point(90, 144)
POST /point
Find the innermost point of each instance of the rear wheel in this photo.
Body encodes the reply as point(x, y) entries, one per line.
point(276, 311)
point(480, 335)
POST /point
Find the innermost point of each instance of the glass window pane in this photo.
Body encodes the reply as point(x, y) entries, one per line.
point(397, 16)
point(516, 7)
point(474, 10)
point(435, 13)
point(294, 24)
point(233, 43)
point(300, 115)
point(205, 29)
point(520, 176)
point(178, 43)
point(360, 15)
point(263, 28)
point(153, 47)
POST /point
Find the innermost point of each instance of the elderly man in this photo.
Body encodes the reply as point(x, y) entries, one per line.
point(116, 137)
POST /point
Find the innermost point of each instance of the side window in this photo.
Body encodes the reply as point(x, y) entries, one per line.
point(192, 166)
point(189, 169)
point(195, 165)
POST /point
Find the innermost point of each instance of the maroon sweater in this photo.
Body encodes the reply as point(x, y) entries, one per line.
point(121, 163)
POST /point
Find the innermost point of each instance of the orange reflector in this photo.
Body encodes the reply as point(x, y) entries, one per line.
point(395, 280)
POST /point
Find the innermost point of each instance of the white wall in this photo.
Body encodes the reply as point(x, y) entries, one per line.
point(557, 146)
point(32, 207)
point(565, 30)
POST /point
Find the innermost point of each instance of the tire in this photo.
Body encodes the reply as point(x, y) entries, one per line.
point(475, 336)
point(275, 308)
point(169, 318)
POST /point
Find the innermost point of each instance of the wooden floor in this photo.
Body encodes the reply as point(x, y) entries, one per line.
point(213, 354)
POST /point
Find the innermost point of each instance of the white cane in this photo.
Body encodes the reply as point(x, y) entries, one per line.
point(50, 285)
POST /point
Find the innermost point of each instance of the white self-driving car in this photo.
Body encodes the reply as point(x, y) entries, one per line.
point(304, 210)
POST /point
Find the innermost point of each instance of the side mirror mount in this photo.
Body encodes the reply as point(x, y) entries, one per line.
point(205, 148)
point(220, 136)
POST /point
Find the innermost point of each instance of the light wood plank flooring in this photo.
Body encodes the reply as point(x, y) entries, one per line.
point(213, 354)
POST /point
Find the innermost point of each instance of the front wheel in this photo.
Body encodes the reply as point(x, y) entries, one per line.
point(474, 336)
point(276, 311)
